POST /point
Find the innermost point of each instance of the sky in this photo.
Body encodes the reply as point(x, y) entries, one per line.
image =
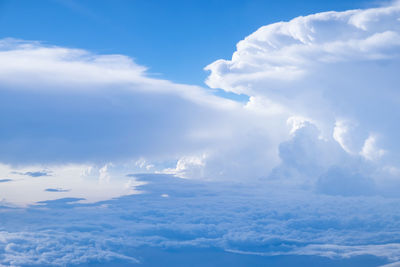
point(174, 39)
point(244, 133)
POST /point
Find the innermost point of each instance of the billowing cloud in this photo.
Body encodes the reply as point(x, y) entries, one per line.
point(319, 131)
point(322, 93)
point(339, 70)
point(71, 106)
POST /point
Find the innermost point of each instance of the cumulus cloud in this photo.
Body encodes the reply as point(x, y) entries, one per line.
point(335, 70)
point(289, 51)
point(319, 130)
point(321, 95)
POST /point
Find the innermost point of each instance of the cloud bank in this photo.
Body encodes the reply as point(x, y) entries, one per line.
point(68, 105)
point(322, 96)
point(246, 219)
point(312, 158)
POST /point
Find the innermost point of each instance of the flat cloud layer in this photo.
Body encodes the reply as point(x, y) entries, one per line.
point(179, 214)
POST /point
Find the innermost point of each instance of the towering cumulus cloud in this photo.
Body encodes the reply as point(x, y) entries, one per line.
point(336, 70)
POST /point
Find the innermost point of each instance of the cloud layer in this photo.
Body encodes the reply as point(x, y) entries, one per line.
point(312, 160)
point(177, 214)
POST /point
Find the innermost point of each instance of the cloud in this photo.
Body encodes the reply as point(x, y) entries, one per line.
point(323, 66)
point(320, 70)
point(306, 156)
point(263, 219)
point(45, 248)
point(338, 181)
point(85, 182)
point(291, 51)
point(319, 130)
point(313, 106)
point(69, 105)
point(336, 70)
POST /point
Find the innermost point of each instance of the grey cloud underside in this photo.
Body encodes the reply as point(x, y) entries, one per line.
point(68, 105)
point(257, 219)
point(80, 126)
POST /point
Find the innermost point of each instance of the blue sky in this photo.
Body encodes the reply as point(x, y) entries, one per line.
point(202, 133)
point(174, 39)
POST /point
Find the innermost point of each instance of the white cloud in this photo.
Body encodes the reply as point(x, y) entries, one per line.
point(89, 183)
point(188, 167)
point(322, 89)
point(35, 66)
point(260, 218)
point(77, 107)
point(287, 51)
point(105, 109)
point(349, 135)
point(337, 70)
point(370, 150)
point(313, 91)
